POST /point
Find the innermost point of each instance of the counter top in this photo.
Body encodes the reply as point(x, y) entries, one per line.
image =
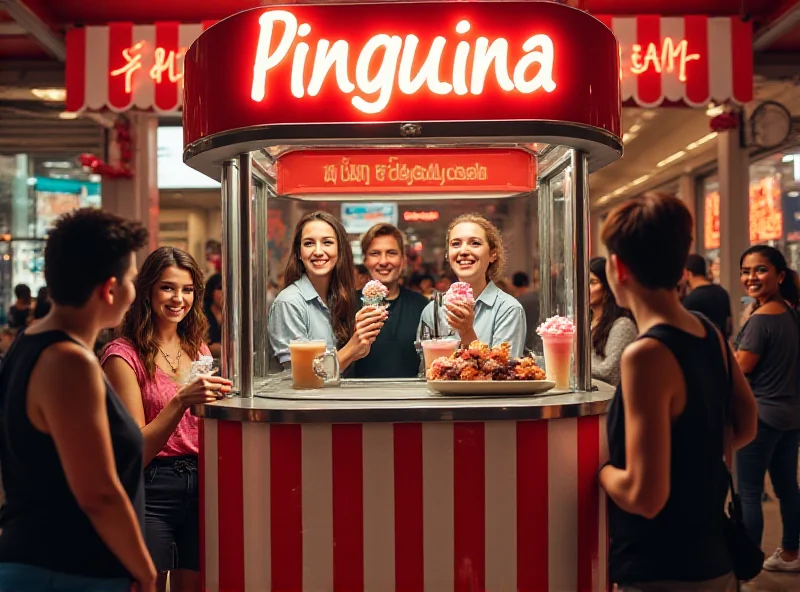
point(399, 401)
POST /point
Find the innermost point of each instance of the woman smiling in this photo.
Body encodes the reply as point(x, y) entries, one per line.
point(476, 255)
point(319, 299)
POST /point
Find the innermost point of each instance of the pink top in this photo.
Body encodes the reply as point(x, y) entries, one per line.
point(156, 394)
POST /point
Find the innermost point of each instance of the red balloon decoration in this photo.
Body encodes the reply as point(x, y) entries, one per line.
point(123, 138)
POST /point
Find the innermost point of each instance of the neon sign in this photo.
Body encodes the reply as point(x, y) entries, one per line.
point(672, 57)
point(421, 216)
point(398, 54)
point(165, 61)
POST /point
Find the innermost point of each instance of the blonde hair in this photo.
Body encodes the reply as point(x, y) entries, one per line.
point(495, 270)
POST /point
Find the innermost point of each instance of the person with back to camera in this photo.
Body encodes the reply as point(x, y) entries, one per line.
point(613, 328)
point(20, 314)
point(768, 349)
point(674, 418)
point(475, 253)
point(319, 299)
point(161, 335)
point(71, 455)
point(706, 297)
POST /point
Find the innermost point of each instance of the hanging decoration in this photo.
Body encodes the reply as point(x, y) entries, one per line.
point(124, 145)
point(724, 122)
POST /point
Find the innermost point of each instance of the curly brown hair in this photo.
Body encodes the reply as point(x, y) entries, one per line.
point(137, 326)
point(341, 295)
point(495, 270)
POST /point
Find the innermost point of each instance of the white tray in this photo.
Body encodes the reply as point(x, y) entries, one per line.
point(491, 387)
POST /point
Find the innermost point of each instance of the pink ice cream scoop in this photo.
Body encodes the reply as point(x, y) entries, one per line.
point(460, 292)
point(374, 293)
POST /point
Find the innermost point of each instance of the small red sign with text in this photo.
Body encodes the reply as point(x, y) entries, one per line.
point(405, 171)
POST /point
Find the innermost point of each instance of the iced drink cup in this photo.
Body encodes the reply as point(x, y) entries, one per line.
point(558, 359)
point(438, 348)
point(302, 356)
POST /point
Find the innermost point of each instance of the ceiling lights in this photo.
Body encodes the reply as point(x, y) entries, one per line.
point(68, 115)
point(50, 94)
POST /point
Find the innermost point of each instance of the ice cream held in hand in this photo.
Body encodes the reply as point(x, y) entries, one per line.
point(460, 292)
point(374, 294)
point(557, 334)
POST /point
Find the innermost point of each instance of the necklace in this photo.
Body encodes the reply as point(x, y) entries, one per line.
point(175, 367)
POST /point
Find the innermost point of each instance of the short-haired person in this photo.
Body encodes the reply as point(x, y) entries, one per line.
point(20, 314)
point(475, 254)
point(71, 455)
point(674, 416)
point(319, 299)
point(705, 297)
point(393, 354)
point(148, 365)
point(521, 283)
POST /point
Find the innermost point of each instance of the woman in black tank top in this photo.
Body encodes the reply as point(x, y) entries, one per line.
point(673, 417)
point(70, 454)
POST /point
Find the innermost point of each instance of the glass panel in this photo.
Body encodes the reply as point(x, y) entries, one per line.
point(260, 278)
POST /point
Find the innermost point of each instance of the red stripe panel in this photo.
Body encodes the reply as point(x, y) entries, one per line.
point(75, 70)
point(742, 59)
point(207, 24)
point(469, 506)
point(532, 510)
point(588, 501)
point(286, 507)
point(348, 507)
point(166, 91)
point(697, 71)
point(231, 506)
point(648, 36)
point(408, 513)
point(120, 39)
point(201, 485)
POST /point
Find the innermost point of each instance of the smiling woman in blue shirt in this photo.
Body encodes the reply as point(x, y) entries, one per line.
point(319, 299)
point(476, 255)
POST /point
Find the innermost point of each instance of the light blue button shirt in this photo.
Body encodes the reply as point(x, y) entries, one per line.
point(499, 317)
point(298, 312)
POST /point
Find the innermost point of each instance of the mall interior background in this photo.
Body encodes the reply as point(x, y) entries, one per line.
point(672, 147)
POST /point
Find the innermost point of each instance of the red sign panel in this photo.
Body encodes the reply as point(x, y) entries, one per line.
point(402, 62)
point(405, 171)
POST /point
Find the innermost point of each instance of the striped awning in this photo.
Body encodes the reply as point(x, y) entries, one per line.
point(690, 60)
point(693, 60)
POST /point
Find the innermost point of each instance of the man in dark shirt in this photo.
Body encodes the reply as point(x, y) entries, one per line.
point(393, 354)
point(704, 297)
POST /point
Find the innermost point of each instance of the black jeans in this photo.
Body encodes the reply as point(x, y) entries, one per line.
point(775, 451)
point(172, 513)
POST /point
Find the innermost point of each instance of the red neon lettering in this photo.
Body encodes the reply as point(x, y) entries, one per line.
point(421, 216)
point(396, 56)
point(665, 60)
point(163, 61)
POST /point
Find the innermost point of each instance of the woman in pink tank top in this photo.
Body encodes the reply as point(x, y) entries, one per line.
point(149, 366)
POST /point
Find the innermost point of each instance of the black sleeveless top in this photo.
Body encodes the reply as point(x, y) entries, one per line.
point(41, 522)
point(685, 541)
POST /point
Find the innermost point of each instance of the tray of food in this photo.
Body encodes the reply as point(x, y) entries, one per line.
point(480, 370)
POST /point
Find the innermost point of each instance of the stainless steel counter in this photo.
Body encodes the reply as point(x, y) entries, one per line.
point(398, 401)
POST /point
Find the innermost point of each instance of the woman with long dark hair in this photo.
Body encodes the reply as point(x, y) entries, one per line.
point(212, 308)
point(319, 301)
point(162, 333)
point(613, 328)
point(768, 349)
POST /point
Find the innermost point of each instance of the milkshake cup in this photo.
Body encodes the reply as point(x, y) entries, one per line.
point(558, 359)
point(557, 335)
point(433, 349)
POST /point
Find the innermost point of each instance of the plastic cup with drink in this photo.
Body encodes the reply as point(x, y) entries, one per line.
point(558, 334)
point(314, 365)
point(438, 348)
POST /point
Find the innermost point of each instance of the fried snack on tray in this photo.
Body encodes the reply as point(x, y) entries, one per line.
point(478, 361)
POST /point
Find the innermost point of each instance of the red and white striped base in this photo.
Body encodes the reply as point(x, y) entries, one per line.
point(381, 507)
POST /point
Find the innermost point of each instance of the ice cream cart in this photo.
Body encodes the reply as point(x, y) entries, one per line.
point(386, 486)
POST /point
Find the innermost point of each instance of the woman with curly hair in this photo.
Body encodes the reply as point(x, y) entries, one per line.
point(476, 255)
point(162, 333)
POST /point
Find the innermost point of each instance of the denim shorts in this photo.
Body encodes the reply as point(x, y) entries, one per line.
point(15, 577)
point(172, 513)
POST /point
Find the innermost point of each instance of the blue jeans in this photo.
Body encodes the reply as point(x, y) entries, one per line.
point(774, 451)
point(15, 577)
